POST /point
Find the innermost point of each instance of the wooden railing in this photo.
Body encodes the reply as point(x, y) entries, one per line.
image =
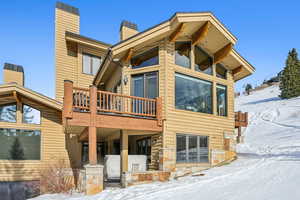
point(241, 119)
point(123, 104)
point(107, 102)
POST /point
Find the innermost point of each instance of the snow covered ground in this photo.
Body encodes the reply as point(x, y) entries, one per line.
point(268, 166)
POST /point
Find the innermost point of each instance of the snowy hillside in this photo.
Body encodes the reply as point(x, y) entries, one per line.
point(268, 166)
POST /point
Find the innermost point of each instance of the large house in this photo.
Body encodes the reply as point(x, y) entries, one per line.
point(157, 104)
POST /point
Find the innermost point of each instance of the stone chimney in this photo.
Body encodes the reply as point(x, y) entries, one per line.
point(67, 19)
point(13, 74)
point(127, 29)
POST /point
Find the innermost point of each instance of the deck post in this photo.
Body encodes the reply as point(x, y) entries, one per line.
point(239, 137)
point(92, 128)
point(159, 111)
point(124, 151)
point(68, 99)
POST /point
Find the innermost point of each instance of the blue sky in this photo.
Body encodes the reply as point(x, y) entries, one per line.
point(266, 30)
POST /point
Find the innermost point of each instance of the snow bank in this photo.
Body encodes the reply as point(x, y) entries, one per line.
point(268, 166)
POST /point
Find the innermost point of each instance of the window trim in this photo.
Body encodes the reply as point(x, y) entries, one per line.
point(202, 80)
point(91, 65)
point(9, 104)
point(33, 108)
point(198, 148)
point(226, 97)
point(144, 52)
point(41, 146)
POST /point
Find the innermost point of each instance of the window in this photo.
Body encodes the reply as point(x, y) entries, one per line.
point(8, 113)
point(193, 94)
point(18, 144)
point(143, 146)
point(148, 58)
point(203, 62)
point(182, 54)
point(191, 148)
point(31, 115)
point(221, 71)
point(90, 64)
point(221, 100)
point(145, 85)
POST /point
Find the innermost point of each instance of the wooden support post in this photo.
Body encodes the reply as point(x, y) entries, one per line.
point(246, 118)
point(92, 127)
point(159, 110)
point(124, 151)
point(68, 100)
point(238, 140)
point(92, 145)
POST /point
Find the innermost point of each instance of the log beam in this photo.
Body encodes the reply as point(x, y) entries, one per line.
point(201, 33)
point(222, 53)
point(128, 55)
point(177, 32)
point(15, 94)
point(237, 70)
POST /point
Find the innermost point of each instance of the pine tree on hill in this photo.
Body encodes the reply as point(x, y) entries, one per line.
point(290, 76)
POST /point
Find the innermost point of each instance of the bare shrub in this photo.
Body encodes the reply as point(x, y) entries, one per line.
point(57, 177)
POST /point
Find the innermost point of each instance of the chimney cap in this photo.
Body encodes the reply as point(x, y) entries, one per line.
point(67, 8)
point(13, 67)
point(129, 24)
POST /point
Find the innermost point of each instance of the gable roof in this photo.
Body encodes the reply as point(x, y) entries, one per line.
point(218, 37)
point(28, 93)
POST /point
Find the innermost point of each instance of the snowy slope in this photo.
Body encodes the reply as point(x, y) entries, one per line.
point(268, 166)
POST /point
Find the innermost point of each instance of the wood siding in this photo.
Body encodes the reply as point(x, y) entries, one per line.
point(53, 144)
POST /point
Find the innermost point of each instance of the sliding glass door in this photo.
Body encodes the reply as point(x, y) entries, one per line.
point(146, 86)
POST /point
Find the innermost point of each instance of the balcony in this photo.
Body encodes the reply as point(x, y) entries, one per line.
point(102, 109)
point(241, 119)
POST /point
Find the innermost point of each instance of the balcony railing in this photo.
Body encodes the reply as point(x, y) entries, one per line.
point(78, 100)
point(241, 119)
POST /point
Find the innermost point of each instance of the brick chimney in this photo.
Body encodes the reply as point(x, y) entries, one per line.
point(127, 29)
point(13, 74)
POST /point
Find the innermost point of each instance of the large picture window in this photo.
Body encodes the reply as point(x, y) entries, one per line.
point(191, 148)
point(148, 58)
point(18, 144)
point(221, 100)
point(203, 62)
point(90, 63)
point(183, 54)
point(193, 94)
point(31, 115)
point(8, 113)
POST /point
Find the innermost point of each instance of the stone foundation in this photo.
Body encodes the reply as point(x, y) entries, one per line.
point(90, 179)
point(129, 179)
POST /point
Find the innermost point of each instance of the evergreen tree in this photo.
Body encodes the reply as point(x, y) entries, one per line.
point(248, 88)
point(16, 151)
point(290, 76)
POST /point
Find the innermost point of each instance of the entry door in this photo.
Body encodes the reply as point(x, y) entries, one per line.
point(101, 152)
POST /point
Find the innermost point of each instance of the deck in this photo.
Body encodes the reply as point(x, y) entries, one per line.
point(102, 109)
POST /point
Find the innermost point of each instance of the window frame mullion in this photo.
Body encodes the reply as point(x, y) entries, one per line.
point(187, 148)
